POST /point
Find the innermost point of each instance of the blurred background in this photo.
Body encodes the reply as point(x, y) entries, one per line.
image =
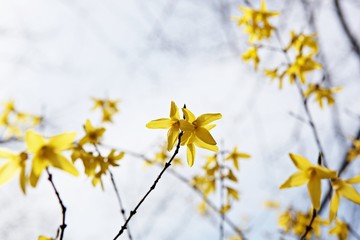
point(57, 54)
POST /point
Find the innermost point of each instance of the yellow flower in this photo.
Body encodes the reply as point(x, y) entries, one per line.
point(16, 161)
point(321, 93)
point(93, 135)
point(301, 66)
point(354, 152)
point(252, 54)
point(300, 41)
point(271, 204)
point(256, 22)
point(199, 135)
point(235, 155)
point(48, 152)
point(341, 230)
point(302, 220)
point(113, 157)
point(108, 107)
point(309, 174)
point(344, 189)
point(286, 220)
point(174, 123)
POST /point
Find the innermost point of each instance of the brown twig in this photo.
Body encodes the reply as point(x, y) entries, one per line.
point(122, 209)
point(63, 208)
point(153, 186)
point(309, 227)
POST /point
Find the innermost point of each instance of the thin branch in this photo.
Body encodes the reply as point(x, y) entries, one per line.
point(309, 227)
point(339, 11)
point(208, 202)
point(304, 101)
point(167, 165)
point(63, 208)
point(122, 209)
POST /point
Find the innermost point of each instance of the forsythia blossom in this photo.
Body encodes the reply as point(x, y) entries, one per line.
point(321, 93)
point(344, 189)
point(256, 22)
point(15, 162)
point(308, 174)
point(48, 152)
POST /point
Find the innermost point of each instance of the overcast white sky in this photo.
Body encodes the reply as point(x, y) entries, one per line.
point(57, 54)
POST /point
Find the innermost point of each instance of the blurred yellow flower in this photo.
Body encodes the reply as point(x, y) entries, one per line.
point(16, 162)
point(48, 152)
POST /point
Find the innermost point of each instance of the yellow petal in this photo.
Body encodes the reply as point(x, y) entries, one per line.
point(7, 171)
point(62, 163)
point(323, 172)
point(209, 127)
point(349, 192)
point(205, 119)
point(203, 145)
point(162, 123)
point(354, 180)
point(23, 180)
point(295, 180)
point(88, 126)
point(314, 188)
point(187, 138)
point(7, 154)
point(300, 162)
point(190, 154)
point(334, 205)
point(205, 136)
point(173, 134)
point(62, 141)
point(174, 111)
point(189, 116)
point(34, 141)
point(186, 126)
point(38, 165)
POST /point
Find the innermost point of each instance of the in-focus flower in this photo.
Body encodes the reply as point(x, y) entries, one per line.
point(308, 174)
point(48, 152)
point(199, 135)
point(16, 162)
point(174, 124)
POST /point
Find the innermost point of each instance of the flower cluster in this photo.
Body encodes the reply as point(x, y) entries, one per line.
point(15, 121)
point(95, 165)
point(300, 53)
point(108, 108)
point(194, 131)
point(297, 222)
point(208, 182)
point(312, 174)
